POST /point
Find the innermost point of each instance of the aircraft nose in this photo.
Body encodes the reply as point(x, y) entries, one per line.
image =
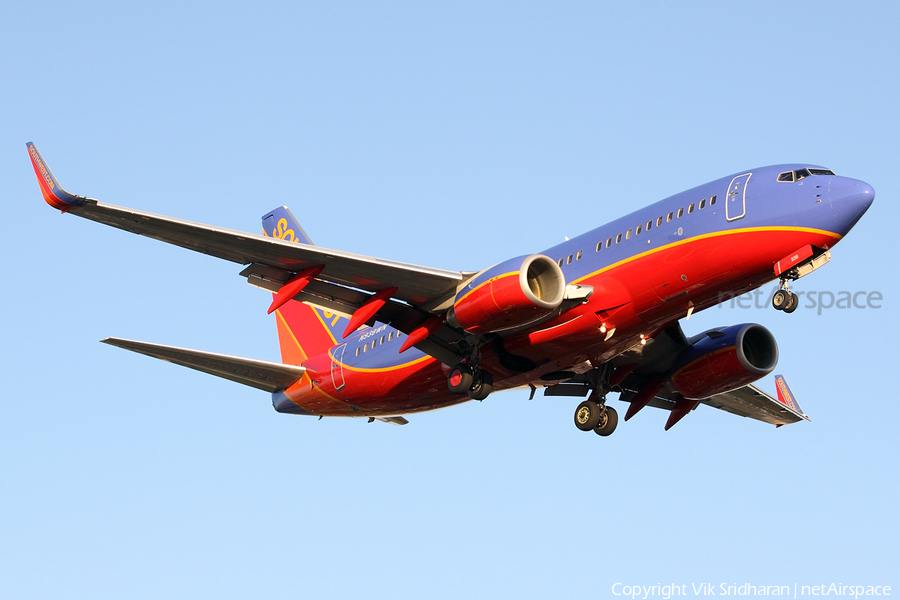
point(850, 199)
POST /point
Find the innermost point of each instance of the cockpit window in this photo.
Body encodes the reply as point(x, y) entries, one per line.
point(802, 173)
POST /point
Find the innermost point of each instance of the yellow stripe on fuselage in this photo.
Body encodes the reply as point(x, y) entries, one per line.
point(703, 237)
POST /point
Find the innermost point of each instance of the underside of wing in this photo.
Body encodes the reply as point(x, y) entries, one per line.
point(750, 401)
point(263, 375)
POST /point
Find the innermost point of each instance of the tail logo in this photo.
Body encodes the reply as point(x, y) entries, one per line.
point(282, 232)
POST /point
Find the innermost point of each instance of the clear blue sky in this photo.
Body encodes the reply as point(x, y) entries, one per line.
point(453, 135)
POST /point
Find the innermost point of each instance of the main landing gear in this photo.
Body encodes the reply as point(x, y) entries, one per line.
point(593, 414)
point(464, 379)
point(784, 299)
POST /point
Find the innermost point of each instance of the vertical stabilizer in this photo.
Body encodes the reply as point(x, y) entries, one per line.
point(303, 330)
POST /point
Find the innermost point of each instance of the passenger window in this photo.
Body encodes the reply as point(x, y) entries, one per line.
point(649, 224)
point(702, 203)
point(638, 230)
point(373, 344)
point(366, 348)
point(680, 212)
point(659, 222)
point(599, 245)
point(569, 260)
point(712, 201)
point(608, 242)
point(381, 341)
point(669, 218)
point(691, 208)
point(578, 256)
point(357, 350)
point(618, 238)
point(390, 336)
point(628, 235)
point(560, 262)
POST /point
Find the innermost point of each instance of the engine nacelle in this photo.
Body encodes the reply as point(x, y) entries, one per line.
point(722, 360)
point(514, 293)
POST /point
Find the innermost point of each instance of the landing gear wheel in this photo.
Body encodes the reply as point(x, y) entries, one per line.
point(781, 299)
point(608, 422)
point(482, 386)
point(588, 415)
point(460, 379)
point(795, 302)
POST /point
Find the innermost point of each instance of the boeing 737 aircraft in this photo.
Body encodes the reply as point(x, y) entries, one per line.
point(365, 337)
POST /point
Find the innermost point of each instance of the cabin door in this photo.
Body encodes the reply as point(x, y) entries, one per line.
point(337, 367)
point(735, 201)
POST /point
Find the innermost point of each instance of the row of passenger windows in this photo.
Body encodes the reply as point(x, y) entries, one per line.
point(567, 260)
point(377, 342)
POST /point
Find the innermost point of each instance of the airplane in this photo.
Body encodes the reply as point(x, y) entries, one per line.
point(379, 339)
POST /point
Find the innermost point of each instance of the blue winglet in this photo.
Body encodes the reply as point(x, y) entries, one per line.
point(786, 396)
point(50, 188)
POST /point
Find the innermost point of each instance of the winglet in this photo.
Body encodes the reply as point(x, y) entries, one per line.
point(53, 193)
point(786, 396)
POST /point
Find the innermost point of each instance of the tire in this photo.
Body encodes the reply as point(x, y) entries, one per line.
point(781, 299)
point(482, 386)
point(587, 415)
point(611, 421)
point(460, 379)
point(795, 302)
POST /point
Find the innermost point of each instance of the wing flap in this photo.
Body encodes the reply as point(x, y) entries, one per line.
point(260, 374)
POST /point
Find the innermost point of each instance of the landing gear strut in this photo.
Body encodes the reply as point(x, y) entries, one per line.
point(593, 414)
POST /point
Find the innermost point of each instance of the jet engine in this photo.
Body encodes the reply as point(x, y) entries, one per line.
point(722, 360)
point(513, 293)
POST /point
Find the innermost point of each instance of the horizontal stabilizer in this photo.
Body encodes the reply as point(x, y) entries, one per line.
point(263, 375)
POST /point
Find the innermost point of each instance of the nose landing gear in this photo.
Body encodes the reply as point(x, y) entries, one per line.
point(784, 299)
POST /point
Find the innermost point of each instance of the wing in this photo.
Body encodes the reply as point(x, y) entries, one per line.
point(750, 401)
point(263, 375)
point(646, 371)
point(270, 260)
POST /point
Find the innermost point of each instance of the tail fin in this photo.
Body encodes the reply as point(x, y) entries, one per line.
point(303, 330)
point(281, 224)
